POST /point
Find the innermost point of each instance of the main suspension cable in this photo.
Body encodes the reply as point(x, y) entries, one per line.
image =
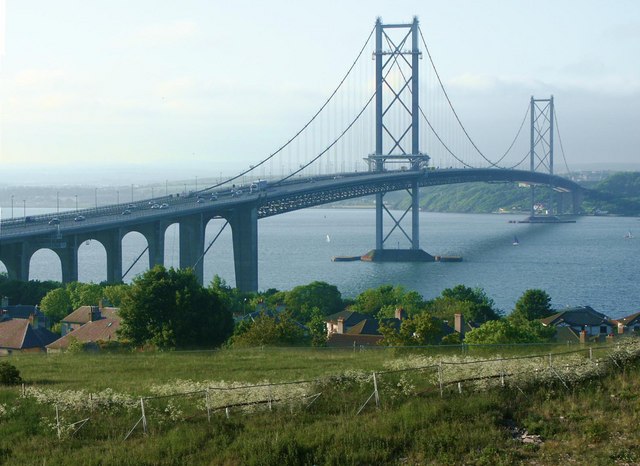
point(446, 95)
point(252, 167)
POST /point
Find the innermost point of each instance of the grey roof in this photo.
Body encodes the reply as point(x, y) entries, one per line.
point(578, 317)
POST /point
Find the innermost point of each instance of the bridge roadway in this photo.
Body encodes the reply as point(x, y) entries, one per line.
point(20, 238)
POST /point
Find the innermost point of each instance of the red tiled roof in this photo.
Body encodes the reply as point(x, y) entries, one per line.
point(98, 330)
point(19, 334)
point(83, 314)
point(629, 320)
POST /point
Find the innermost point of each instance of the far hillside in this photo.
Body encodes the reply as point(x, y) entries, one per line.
point(618, 194)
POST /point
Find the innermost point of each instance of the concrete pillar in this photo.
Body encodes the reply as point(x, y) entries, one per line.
point(154, 234)
point(244, 228)
point(192, 244)
point(16, 258)
point(112, 242)
point(68, 255)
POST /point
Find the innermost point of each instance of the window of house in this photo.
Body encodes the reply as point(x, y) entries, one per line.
point(603, 329)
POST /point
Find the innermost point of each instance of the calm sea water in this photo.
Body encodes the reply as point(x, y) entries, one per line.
point(584, 263)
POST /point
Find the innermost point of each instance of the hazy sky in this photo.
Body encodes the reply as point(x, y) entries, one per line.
point(188, 87)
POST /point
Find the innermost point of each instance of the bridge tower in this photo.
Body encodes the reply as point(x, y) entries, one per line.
point(541, 148)
point(397, 129)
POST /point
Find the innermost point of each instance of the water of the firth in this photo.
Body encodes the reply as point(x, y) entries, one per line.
point(589, 262)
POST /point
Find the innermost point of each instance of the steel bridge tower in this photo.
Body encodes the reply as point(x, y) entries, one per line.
point(397, 129)
point(541, 148)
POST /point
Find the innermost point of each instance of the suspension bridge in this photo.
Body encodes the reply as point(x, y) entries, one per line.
point(384, 128)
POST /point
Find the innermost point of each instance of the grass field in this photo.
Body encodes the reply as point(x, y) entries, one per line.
point(594, 421)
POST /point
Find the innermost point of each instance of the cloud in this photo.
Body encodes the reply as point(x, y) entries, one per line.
point(167, 33)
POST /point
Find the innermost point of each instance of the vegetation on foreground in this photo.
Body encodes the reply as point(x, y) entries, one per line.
point(588, 419)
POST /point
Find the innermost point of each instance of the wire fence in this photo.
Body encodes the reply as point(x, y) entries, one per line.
point(410, 376)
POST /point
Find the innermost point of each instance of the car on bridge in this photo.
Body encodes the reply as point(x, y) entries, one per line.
point(126, 212)
point(54, 221)
point(79, 218)
point(164, 205)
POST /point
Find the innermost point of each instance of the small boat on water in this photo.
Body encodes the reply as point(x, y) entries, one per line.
point(515, 241)
point(628, 235)
point(328, 239)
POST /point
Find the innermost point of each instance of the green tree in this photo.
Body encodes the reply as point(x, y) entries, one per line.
point(446, 308)
point(483, 307)
point(169, 308)
point(420, 329)
point(509, 331)
point(30, 292)
point(533, 304)
point(269, 331)
point(384, 300)
point(84, 294)
point(302, 299)
point(56, 304)
point(317, 328)
point(114, 293)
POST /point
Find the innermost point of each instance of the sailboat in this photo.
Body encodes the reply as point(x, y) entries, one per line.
point(328, 239)
point(515, 241)
point(628, 235)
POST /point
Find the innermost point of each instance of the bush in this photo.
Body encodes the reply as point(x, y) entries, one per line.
point(9, 374)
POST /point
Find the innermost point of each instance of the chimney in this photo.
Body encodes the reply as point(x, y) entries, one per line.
point(340, 328)
point(458, 325)
point(583, 336)
point(620, 328)
point(400, 314)
point(101, 304)
point(32, 318)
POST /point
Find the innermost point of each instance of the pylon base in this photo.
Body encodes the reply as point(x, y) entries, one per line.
point(397, 255)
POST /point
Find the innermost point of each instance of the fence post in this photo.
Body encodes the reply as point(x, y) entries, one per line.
point(144, 418)
point(58, 421)
point(590, 353)
point(226, 412)
point(270, 398)
point(460, 387)
point(206, 401)
point(440, 378)
point(375, 390)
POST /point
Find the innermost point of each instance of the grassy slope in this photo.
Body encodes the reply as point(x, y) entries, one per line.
point(595, 424)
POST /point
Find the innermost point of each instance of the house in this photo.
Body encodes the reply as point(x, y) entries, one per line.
point(629, 324)
point(102, 329)
point(348, 328)
point(342, 321)
point(85, 314)
point(24, 311)
point(579, 323)
point(21, 336)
